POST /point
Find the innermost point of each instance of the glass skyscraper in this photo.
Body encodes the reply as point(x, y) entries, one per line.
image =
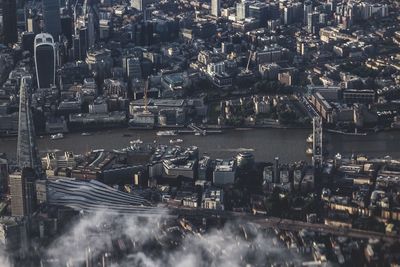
point(45, 60)
point(51, 17)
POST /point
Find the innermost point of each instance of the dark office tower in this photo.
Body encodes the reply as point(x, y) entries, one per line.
point(313, 22)
point(9, 34)
point(66, 28)
point(144, 33)
point(4, 177)
point(22, 191)
point(51, 17)
point(79, 44)
point(45, 60)
point(259, 11)
point(308, 8)
point(28, 40)
point(75, 48)
point(83, 42)
point(27, 155)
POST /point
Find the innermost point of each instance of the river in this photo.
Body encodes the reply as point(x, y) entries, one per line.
point(288, 144)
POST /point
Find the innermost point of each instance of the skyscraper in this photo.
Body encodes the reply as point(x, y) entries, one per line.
point(27, 41)
point(22, 190)
point(308, 8)
point(259, 11)
point(27, 155)
point(9, 34)
point(313, 22)
point(3, 176)
point(91, 28)
point(215, 8)
point(242, 10)
point(45, 60)
point(51, 17)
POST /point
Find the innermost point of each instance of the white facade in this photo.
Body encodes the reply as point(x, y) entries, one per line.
point(215, 8)
point(216, 68)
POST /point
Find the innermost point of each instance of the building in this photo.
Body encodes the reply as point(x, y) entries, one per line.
point(3, 176)
point(308, 8)
point(45, 61)
point(313, 22)
point(9, 34)
point(203, 168)
point(52, 161)
point(33, 24)
point(141, 4)
point(133, 68)
point(93, 195)
point(261, 12)
point(322, 106)
point(242, 10)
point(245, 160)
point(80, 43)
point(216, 68)
point(225, 172)
point(27, 155)
point(22, 191)
point(51, 17)
point(180, 167)
point(292, 13)
point(28, 41)
point(213, 199)
point(216, 8)
point(13, 234)
point(351, 96)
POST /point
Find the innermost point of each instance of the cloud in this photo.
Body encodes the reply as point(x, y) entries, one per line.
point(4, 259)
point(136, 242)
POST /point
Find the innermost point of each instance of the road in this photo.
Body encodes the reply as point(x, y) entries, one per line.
point(310, 109)
point(284, 224)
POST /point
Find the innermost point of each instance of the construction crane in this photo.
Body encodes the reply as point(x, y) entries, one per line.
point(247, 70)
point(248, 62)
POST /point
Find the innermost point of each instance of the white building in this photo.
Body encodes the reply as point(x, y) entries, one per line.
point(216, 8)
point(213, 199)
point(216, 68)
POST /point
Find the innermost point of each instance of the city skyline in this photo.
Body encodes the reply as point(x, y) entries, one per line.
point(199, 133)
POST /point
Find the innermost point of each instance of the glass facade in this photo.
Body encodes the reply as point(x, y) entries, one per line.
point(45, 65)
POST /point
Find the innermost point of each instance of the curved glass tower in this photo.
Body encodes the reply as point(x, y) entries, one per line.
point(45, 60)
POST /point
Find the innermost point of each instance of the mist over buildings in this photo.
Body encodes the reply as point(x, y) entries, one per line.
point(160, 241)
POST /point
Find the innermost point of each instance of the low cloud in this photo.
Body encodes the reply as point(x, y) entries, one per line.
point(138, 243)
point(4, 259)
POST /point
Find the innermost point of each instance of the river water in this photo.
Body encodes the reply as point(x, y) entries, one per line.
point(288, 144)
